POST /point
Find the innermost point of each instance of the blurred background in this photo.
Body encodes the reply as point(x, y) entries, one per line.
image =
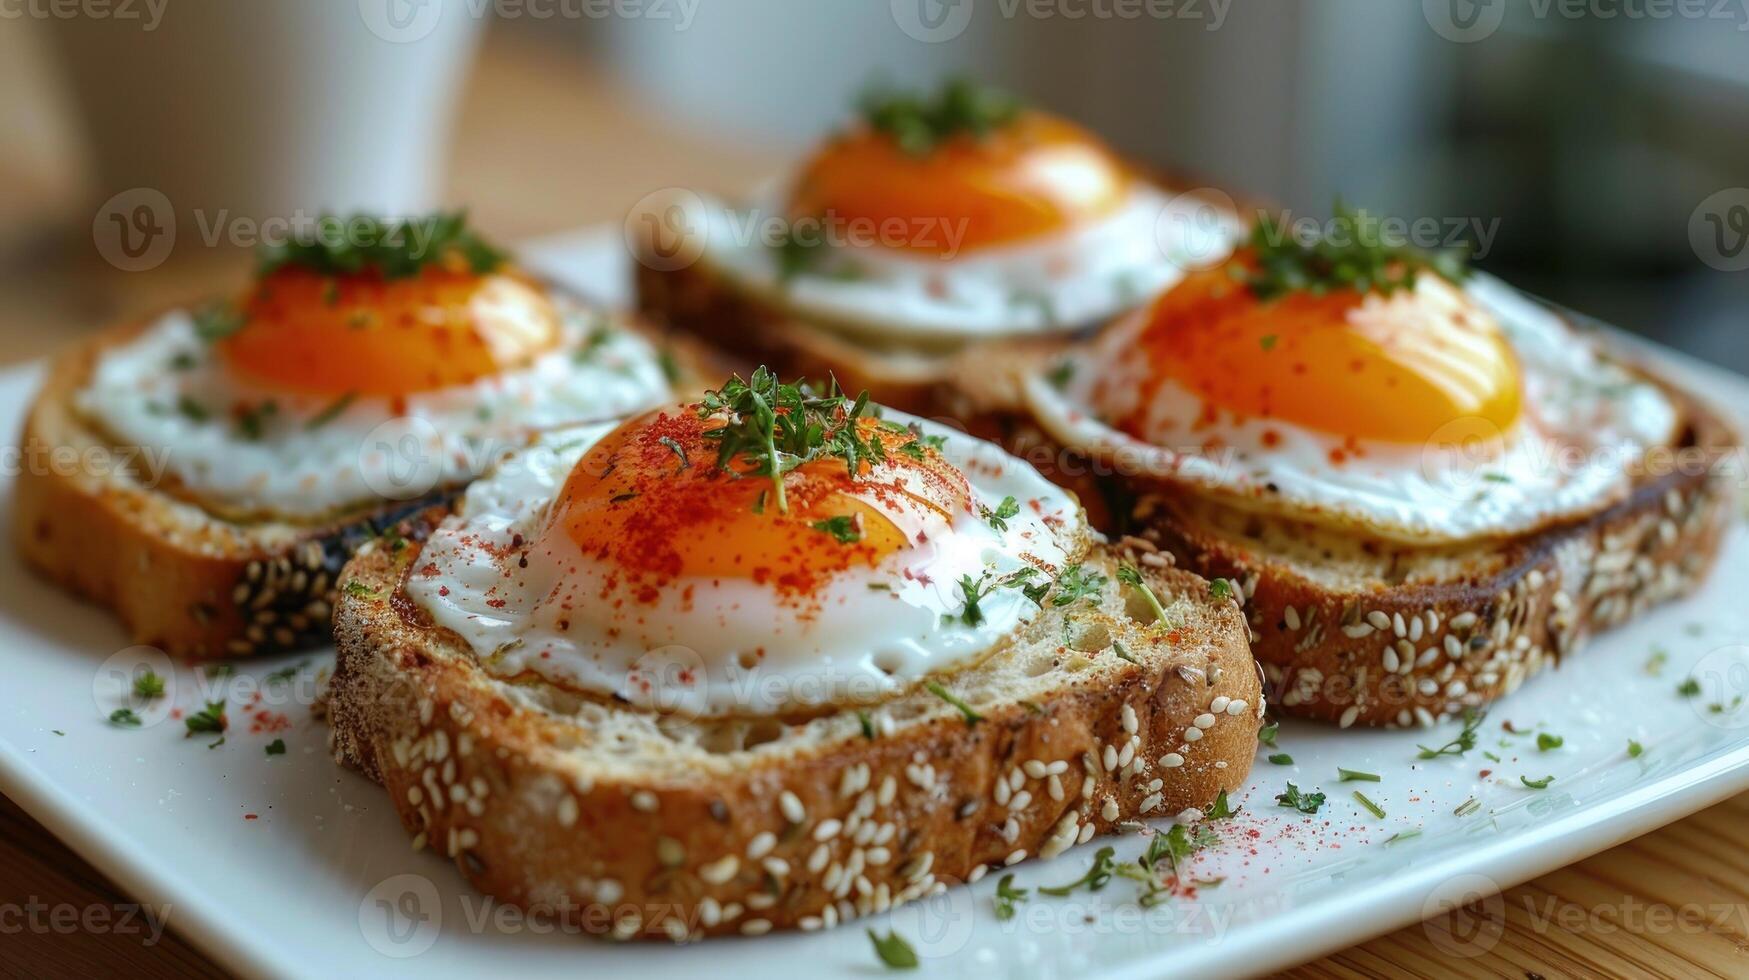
point(1600, 148)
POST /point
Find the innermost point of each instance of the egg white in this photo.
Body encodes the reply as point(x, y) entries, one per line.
point(165, 390)
point(1587, 423)
point(1066, 281)
point(876, 631)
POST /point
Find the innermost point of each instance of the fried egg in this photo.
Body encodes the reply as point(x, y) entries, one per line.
point(1430, 414)
point(1030, 226)
point(622, 562)
point(316, 393)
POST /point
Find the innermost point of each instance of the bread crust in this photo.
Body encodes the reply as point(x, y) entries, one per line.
point(753, 842)
point(195, 584)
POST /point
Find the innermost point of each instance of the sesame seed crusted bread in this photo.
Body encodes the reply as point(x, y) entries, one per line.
point(1358, 631)
point(1352, 629)
point(636, 824)
point(88, 515)
point(911, 377)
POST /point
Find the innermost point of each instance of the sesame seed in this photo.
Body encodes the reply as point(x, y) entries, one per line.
point(1237, 706)
point(1463, 621)
point(1128, 754)
point(1219, 704)
point(1002, 792)
point(791, 805)
point(1398, 626)
point(827, 829)
point(817, 860)
point(1054, 786)
point(644, 800)
point(1149, 802)
point(1085, 835)
point(1021, 800)
point(1349, 716)
point(1192, 734)
point(778, 867)
point(761, 844)
point(720, 871)
point(1130, 724)
point(1109, 810)
point(1014, 858)
point(1204, 721)
point(755, 927)
point(1188, 816)
point(567, 810)
point(1378, 620)
point(1171, 760)
point(1391, 662)
point(1110, 758)
point(977, 872)
point(918, 866)
point(670, 852)
point(1358, 631)
point(609, 891)
point(1034, 768)
point(889, 786)
point(1291, 617)
point(878, 856)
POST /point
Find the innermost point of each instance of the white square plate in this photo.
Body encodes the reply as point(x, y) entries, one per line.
point(286, 865)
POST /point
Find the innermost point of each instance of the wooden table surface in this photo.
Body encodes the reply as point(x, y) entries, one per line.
point(1673, 903)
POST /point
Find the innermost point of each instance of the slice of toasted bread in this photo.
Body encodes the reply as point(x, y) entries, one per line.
point(1359, 631)
point(189, 581)
point(1356, 630)
point(915, 377)
point(638, 824)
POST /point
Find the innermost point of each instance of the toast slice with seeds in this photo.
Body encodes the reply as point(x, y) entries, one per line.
point(1355, 630)
point(90, 516)
point(916, 377)
point(642, 825)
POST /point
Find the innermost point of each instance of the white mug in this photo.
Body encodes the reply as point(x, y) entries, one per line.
point(235, 112)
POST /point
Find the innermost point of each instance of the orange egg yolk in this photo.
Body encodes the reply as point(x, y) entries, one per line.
point(365, 335)
point(1037, 175)
point(649, 502)
point(1391, 369)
